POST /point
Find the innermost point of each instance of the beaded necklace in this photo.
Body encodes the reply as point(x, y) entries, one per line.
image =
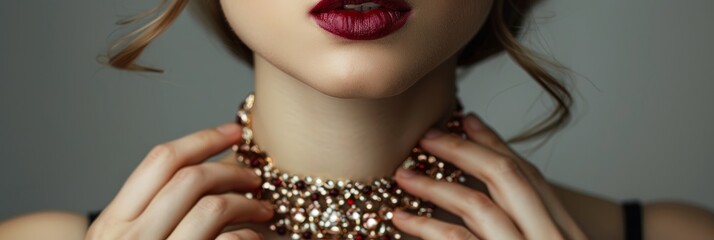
point(309, 207)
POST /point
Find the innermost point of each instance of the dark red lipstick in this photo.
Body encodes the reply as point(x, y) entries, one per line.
point(339, 17)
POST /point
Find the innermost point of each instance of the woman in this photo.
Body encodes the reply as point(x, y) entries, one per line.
point(346, 95)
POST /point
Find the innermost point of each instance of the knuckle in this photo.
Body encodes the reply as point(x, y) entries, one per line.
point(476, 199)
point(229, 236)
point(242, 171)
point(237, 169)
point(504, 165)
point(250, 176)
point(492, 140)
point(206, 136)
point(94, 232)
point(190, 175)
point(532, 171)
point(111, 229)
point(241, 235)
point(421, 222)
point(456, 233)
point(504, 170)
point(456, 143)
point(160, 153)
point(425, 184)
point(212, 204)
point(134, 233)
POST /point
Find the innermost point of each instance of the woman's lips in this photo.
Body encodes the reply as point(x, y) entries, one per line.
point(329, 5)
point(331, 16)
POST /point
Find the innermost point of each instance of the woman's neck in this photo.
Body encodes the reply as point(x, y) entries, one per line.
point(306, 132)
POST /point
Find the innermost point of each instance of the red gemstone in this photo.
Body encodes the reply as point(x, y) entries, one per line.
point(315, 197)
point(255, 162)
point(277, 183)
point(421, 166)
point(359, 237)
point(350, 201)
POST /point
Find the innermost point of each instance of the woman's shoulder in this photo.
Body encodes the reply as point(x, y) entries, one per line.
point(45, 225)
point(678, 220)
point(603, 218)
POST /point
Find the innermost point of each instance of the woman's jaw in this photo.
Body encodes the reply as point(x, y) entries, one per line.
point(308, 132)
point(341, 108)
point(289, 38)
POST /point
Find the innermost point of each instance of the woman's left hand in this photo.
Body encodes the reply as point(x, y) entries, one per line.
point(521, 204)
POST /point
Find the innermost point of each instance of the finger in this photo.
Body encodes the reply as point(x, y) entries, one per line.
point(477, 210)
point(484, 135)
point(185, 188)
point(243, 234)
point(429, 228)
point(508, 186)
point(213, 212)
point(163, 161)
point(481, 133)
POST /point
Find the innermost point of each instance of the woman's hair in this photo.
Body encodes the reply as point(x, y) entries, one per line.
point(497, 34)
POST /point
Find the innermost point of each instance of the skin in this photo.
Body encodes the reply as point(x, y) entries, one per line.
point(338, 97)
point(320, 102)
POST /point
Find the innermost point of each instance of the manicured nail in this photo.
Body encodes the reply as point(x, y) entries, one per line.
point(267, 207)
point(405, 173)
point(228, 128)
point(432, 133)
point(256, 180)
point(473, 123)
point(400, 214)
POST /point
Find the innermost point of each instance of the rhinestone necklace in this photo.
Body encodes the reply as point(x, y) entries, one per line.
point(309, 207)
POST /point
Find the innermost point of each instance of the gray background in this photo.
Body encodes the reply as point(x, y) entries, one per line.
point(71, 130)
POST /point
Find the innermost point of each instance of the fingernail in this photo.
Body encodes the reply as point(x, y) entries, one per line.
point(267, 207)
point(400, 214)
point(257, 181)
point(228, 128)
point(432, 133)
point(473, 123)
point(406, 173)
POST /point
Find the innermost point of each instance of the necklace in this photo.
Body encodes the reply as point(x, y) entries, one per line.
point(309, 207)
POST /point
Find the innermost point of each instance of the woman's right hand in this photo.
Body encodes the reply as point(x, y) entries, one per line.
point(173, 194)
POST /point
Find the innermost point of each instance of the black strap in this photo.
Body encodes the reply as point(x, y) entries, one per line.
point(633, 219)
point(92, 215)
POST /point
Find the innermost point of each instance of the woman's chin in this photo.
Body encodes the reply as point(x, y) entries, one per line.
point(361, 78)
point(360, 86)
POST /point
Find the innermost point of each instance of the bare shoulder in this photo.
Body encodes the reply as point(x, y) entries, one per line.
point(677, 220)
point(602, 218)
point(598, 217)
point(45, 225)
